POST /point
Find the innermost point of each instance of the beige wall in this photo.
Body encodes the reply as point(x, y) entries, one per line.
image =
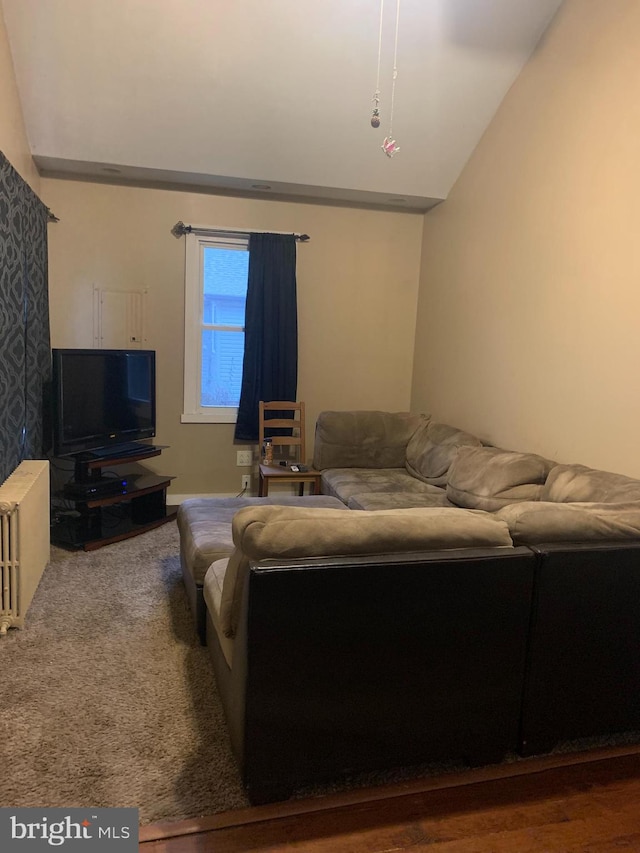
point(13, 137)
point(357, 297)
point(528, 327)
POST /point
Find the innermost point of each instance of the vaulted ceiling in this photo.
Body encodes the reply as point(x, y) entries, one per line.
point(268, 98)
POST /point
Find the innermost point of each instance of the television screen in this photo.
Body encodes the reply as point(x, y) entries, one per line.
point(102, 398)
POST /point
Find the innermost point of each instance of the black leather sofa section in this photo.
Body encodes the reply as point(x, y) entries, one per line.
point(345, 665)
point(583, 660)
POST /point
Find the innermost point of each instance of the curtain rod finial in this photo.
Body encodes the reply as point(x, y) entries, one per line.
point(179, 230)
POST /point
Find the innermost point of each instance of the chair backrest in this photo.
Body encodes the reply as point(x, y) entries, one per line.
point(285, 426)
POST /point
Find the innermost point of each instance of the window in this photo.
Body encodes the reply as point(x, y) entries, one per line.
point(215, 295)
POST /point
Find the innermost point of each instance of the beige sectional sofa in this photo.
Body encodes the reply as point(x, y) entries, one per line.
point(443, 600)
point(432, 464)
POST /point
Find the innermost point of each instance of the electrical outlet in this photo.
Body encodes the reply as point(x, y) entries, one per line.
point(246, 482)
point(244, 457)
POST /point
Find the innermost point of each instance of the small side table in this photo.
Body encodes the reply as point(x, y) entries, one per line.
point(282, 474)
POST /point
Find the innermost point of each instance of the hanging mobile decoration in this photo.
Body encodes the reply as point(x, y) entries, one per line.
point(375, 116)
point(389, 145)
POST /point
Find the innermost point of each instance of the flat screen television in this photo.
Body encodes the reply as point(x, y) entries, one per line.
point(102, 398)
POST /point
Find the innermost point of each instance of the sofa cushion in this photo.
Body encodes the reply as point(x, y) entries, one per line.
point(342, 483)
point(544, 521)
point(267, 532)
point(431, 496)
point(579, 483)
point(363, 439)
point(489, 478)
point(432, 449)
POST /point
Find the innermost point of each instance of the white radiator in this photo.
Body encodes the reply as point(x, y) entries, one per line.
point(24, 539)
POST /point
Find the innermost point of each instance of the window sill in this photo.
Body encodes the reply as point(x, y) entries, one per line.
point(215, 416)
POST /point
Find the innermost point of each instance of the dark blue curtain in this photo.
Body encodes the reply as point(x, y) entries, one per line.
point(270, 366)
point(25, 354)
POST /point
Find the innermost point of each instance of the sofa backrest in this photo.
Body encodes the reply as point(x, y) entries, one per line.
point(432, 449)
point(578, 504)
point(546, 522)
point(279, 532)
point(363, 439)
point(567, 483)
point(489, 478)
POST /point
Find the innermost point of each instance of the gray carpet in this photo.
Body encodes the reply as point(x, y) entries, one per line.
point(107, 698)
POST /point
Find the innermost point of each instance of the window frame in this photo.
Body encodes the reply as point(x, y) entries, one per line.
point(193, 411)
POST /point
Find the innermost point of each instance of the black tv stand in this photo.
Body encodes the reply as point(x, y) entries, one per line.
point(97, 518)
point(88, 464)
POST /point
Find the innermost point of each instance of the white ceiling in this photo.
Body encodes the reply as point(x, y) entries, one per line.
point(227, 94)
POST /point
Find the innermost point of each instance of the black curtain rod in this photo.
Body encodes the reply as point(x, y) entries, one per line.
point(180, 229)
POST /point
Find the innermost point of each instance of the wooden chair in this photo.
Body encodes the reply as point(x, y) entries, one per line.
point(285, 428)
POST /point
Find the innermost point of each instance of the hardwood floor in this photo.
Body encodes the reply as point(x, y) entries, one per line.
point(586, 803)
